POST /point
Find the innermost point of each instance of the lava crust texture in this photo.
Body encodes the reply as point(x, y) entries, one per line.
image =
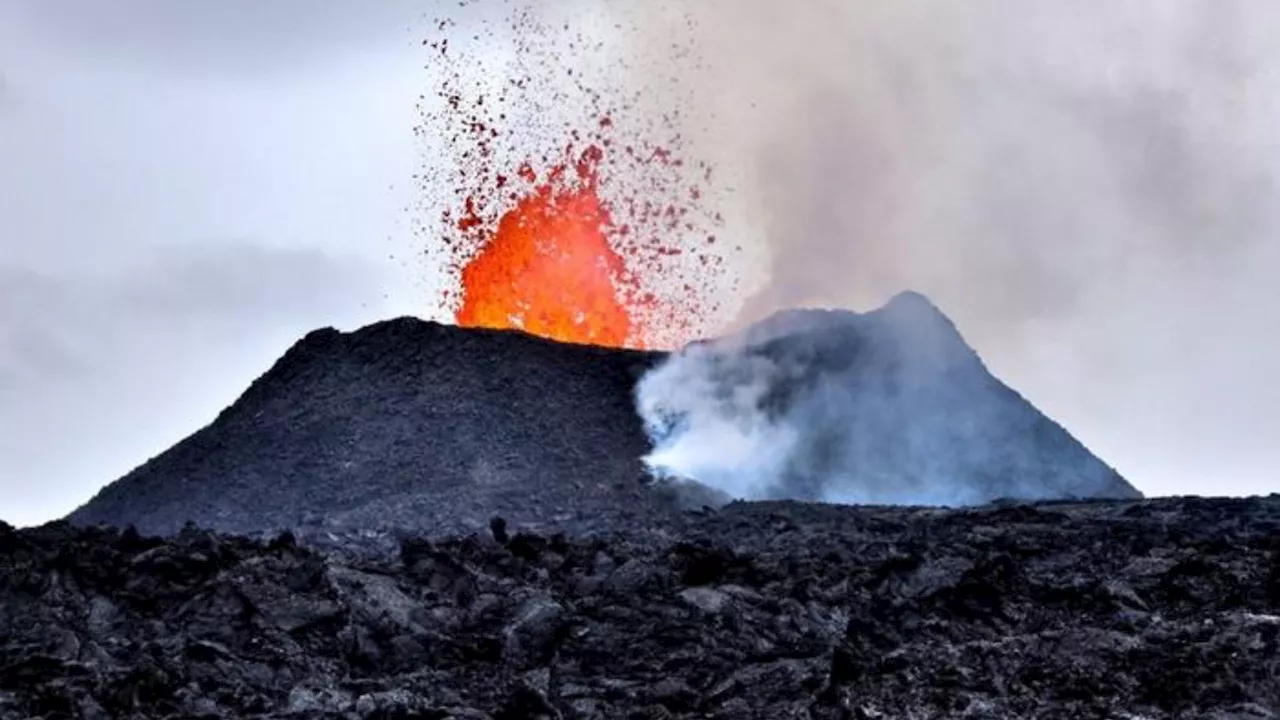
point(1141, 609)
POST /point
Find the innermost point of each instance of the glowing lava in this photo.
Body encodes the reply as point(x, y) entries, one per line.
point(549, 268)
point(611, 242)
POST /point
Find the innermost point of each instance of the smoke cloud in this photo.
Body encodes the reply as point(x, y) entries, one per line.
point(887, 407)
point(1088, 191)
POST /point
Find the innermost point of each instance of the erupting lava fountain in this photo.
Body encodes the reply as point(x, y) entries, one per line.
point(567, 232)
point(549, 267)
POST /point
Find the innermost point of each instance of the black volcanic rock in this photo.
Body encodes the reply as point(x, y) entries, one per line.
point(1150, 609)
point(437, 429)
point(405, 423)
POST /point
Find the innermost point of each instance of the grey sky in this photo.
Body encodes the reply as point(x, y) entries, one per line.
point(186, 187)
point(1089, 189)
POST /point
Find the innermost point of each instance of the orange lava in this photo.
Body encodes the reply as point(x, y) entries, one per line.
point(549, 268)
point(613, 241)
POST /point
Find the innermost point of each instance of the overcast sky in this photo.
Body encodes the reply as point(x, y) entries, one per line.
point(187, 187)
point(1091, 190)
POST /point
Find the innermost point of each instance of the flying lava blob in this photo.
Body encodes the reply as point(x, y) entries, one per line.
point(549, 267)
point(555, 219)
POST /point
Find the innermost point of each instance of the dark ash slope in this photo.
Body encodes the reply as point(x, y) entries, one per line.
point(1150, 609)
point(406, 422)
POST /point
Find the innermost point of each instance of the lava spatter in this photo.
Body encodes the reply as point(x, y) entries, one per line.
point(549, 268)
point(576, 230)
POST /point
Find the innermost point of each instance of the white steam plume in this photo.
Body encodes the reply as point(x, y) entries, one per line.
point(1088, 188)
point(885, 407)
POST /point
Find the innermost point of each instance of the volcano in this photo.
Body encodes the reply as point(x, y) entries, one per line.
point(433, 428)
point(595, 593)
point(407, 423)
point(886, 407)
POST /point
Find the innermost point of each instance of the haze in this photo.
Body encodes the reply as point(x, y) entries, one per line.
point(1087, 189)
point(186, 188)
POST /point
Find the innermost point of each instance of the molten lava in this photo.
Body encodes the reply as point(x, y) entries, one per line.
point(611, 242)
point(549, 268)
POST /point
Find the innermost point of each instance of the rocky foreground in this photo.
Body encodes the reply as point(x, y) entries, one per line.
point(1148, 609)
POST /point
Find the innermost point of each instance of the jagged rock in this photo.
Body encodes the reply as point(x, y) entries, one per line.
point(709, 601)
point(533, 636)
point(1154, 609)
point(418, 521)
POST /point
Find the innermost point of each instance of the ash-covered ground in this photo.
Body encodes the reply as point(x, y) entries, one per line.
point(1124, 609)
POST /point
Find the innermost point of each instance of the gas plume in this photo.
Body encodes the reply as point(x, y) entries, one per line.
point(1089, 191)
point(886, 407)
